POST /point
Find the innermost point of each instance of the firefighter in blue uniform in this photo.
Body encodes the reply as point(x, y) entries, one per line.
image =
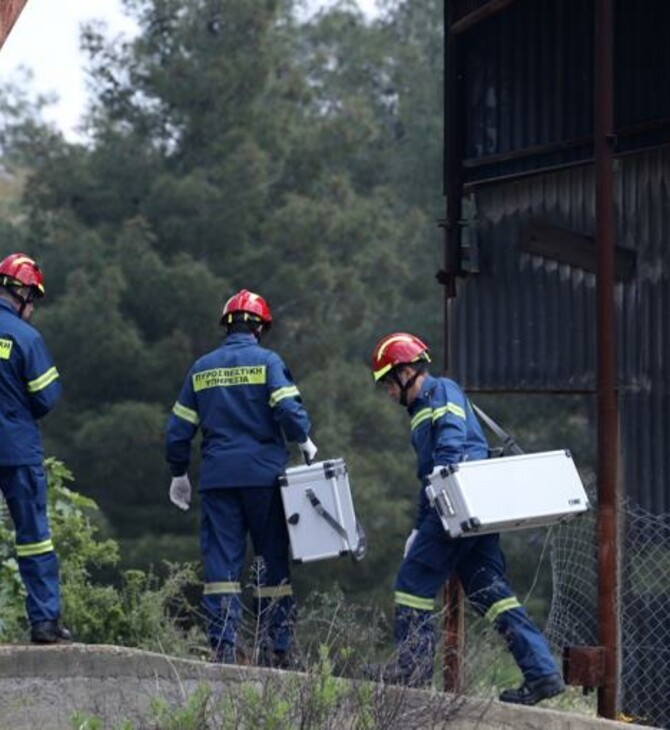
point(444, 431)
point(29, 389)
point(243, 399)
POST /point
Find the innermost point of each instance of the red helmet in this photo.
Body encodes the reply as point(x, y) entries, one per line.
point(20, 270)
point(397, 349)
point(249, 303)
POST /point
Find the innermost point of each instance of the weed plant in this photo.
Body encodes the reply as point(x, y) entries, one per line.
point(335, 640)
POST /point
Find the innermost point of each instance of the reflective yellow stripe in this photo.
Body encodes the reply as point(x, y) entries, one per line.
point(406, 599)
point(222, 587)
point(44, 380)
point(29, 549)
point(5, 349)
point(379, 374)
point(290, 391)
point(225, 377)
point(449, 408)
point(456, 410)
point(391, 340)
point(273, 591)
point(423, 415)
point(186, 413)
point(506, 604)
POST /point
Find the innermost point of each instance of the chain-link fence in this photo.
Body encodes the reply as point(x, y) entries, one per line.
point(644, 616)
point(573, 617)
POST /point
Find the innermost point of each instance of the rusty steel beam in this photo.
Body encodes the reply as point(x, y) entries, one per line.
point(454, 637)
point(570, 247)
point(454, 152)
point(522, 153)
point(608, 488)
point(9, 13)
point(488, 10)
point(454, 139)
point(661, 124)
point(471, 185)
point(506, 390)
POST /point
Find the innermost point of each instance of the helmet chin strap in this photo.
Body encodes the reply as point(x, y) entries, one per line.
point(406, 386)
point(23, 301)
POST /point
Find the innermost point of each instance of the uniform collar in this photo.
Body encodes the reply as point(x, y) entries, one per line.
point(240, 338)
point(7, 305)
point(423, 398)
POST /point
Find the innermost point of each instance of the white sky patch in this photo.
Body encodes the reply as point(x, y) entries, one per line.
point(45, 39)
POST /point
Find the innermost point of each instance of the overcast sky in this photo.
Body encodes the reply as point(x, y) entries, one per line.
point(45, 39)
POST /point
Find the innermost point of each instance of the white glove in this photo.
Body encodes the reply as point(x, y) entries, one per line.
point(409, 541)
point(180, 492)
point(308, 449)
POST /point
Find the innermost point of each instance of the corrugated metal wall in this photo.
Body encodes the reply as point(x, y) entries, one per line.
point(524, 323)
point(529, 84)
point(643, 223)
point(642, 61)
point(527, 323)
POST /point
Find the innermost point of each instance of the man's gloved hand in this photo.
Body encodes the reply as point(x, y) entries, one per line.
point(436, 472)
point(308, 449)
point(409, 541)
point(180, 492)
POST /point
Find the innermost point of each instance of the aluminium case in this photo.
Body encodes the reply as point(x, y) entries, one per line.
point(507, 493)
point(319, 511)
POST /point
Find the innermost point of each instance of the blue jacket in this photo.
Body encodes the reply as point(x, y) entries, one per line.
point(445, 430)
point(29, 389)
point(242, 397)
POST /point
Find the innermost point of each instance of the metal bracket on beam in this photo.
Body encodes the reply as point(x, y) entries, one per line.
point(584, 666)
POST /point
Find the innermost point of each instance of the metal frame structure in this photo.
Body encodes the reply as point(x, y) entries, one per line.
point(9, 13)
point(460, 17)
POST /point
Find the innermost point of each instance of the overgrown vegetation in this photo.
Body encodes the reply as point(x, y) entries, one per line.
point(313, 700)
point(336, 637)
point(138, 609)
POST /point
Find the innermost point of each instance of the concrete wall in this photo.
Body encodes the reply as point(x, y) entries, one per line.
point(42, 687)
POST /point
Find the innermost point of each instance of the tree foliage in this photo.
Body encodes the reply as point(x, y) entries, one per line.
point(232, 145)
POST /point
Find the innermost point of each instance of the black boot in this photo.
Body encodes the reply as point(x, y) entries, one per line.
point(530, 693)
point(224, 653)
point(49, 632)
point(278, 659)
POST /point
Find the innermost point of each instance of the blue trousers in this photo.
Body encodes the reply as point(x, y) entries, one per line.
point(227, 517)
point(480, 565)
point(25, 491)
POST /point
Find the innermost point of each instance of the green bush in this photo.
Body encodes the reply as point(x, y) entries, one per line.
point(138, 610)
